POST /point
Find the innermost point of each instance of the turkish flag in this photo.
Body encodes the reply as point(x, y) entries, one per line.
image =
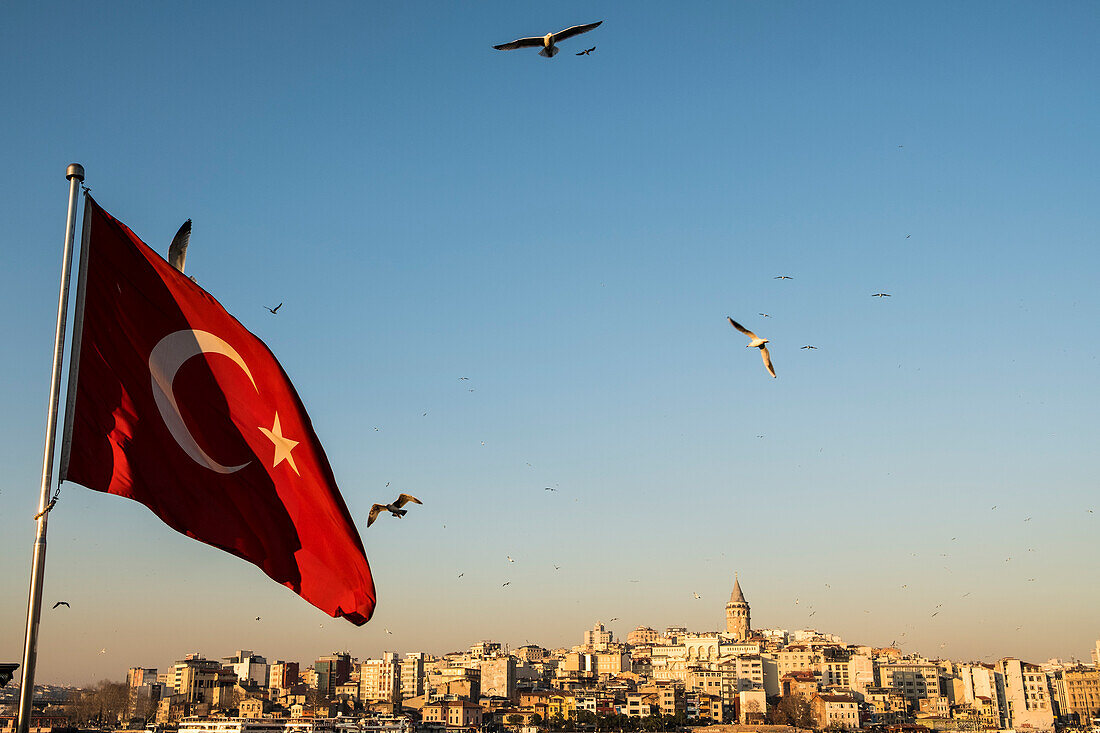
point(179, 407)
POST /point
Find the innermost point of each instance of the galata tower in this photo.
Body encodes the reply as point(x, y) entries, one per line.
point(737, 613)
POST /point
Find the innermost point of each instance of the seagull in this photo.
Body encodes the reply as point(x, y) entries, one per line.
point(102, 651)
point(907, 236)
point(697, 596)
point(587, 51)
point(257, 618)
point(881, 295)
point(758, 343)
point(394, 508)
point(549, 488)
point(275, 310)
point(1028, 519)
point(62, 603)
point(510, 559)
point(557, 567)
point(388, 632)
point(937, 613)
point(177, 251)
point(782, 277)
point(504, 584)
point(765, 315)
point(807, 346)
point(549, 41)
point(614, 619)
point(463, 378)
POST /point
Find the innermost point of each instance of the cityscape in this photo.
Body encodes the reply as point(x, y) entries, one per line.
point(652, 680)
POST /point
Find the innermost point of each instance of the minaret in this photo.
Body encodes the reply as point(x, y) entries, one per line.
point(737, 613)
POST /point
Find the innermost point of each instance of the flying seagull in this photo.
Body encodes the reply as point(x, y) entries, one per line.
point(177, 251)
point(697, 596)
point(62, 603)
point(587, 51)
point(765, 315)
point(257, 618)
point(782, 277)
point(510, 559)
point(548, 42)
point(881, 295)
point(758, 343)
point(275, 310)
point(807, 346)
point(504, 584)
point(394, 508)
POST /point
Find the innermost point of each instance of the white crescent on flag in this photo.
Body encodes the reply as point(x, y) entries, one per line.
point(164, 361)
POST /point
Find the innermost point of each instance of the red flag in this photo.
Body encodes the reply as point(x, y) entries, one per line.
point(179, 407)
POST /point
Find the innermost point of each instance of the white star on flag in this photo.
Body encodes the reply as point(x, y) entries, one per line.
point(283, 445)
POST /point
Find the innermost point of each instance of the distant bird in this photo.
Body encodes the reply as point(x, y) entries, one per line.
point(463, 378)
point(549, 41)
point(177, 251)
point(614, 619)
point(937, 613)
point(424, 414)
point(1028, 519)
point(61, 603)
point(634, 581)
point(586, 51)
point(394, 508)
point(557, 567)
point(765, 315)
point(812, 612)
point(758, 343)
point(905, 586)
point(510, 559)
point(388, 632)
point(881, 295)
point(257, 618)
point(1031, 580)
point(697, 596)
point(504, 584)
point(966, 594)
point(907, 236)
point(461, 574)
point(102, 651)
point(992, 507)
point(782, 277)
point(275, 311)
point(549, 488)
point(807, 346)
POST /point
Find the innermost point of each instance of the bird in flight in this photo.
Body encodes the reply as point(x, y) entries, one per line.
point(765, 315)
point(557, 567)
point(549, 488)
point(257, 618)
point(394, 508)
point(388, 632)
point(102, 651)
point(907, 236)
point(461, 574)
point(782, 277)
point(62, 603)
point(586, 51)
point(177, 251)
point(461, 379)
point(614, 619)
point(548, 43)
point(758, 343)
point(697, 596)
point(274, 311)
point(881, 295)
point(504, 584)
point(807, 346)
point(510, 559)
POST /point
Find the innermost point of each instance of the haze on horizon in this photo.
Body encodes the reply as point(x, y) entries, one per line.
point(571, 234)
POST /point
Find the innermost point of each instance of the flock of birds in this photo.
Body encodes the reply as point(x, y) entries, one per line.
point(548, 48)
point(759, 343)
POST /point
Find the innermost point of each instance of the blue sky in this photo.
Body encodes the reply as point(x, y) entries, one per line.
point(570, 234)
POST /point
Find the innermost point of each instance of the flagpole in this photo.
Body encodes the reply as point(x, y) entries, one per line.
point(75, 174)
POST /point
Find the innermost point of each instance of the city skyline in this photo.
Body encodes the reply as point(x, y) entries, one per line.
point(486, 294)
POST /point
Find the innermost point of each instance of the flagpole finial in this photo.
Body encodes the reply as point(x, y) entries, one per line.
point(75, 170)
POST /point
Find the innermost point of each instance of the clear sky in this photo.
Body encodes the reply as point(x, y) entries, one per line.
point(571, 234)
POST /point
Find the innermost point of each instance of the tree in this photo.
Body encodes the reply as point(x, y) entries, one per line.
point(536, 719)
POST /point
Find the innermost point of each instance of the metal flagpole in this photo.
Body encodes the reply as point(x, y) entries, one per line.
point(75, 174)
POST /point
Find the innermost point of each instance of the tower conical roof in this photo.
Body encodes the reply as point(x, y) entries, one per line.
point(737, 596)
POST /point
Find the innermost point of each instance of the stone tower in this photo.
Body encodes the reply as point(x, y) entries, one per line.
point(737, 613)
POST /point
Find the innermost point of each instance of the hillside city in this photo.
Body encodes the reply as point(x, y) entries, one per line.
point(652, 680)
